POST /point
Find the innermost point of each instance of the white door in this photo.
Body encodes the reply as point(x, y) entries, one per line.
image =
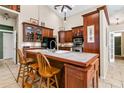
point(111, 47)
point(8, 45)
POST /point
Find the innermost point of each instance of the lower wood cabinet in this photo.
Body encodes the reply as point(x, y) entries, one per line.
point(79, 77)
point(65, 48)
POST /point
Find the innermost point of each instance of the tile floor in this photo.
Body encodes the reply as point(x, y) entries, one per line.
point(114, 78)
point(115, 75)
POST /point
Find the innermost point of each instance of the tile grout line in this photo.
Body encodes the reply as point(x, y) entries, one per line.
point(11, 72)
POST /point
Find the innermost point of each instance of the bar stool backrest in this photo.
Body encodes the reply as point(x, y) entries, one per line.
point(43, 63)
point(22, 59)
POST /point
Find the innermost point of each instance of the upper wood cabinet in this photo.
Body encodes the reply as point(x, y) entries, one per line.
point(90, 19)
point(47, 32)
point(31, 33)
point(61, 36)
point(35, 33)
point(12, 7)
point(65, 36)
point(77, 31)
point(68, 36)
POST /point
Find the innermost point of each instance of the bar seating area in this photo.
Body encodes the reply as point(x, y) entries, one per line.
point(30, 70)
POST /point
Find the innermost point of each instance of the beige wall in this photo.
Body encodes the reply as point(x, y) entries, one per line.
point(104, 60)
point(43, 13)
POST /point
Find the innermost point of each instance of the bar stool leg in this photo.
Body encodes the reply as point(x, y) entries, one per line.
point(48, 82)
point(19, 73)
point(56, 81)
point(23, 76)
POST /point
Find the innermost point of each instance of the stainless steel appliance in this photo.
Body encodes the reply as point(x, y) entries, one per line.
point(77, 44)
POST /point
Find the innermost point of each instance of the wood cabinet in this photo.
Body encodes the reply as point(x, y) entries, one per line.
point(61, 36)
point(73, 74)
point(78, 77)
point(12, 7)
point(89, 20)
point(65, 36)
point(35, 33)
point(31, 32)
point(68, 36)
point(77, 31)
point(47, 32)
point(65, 48)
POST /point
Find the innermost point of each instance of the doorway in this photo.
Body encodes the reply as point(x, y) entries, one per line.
point(8, 45)
point(116, 49)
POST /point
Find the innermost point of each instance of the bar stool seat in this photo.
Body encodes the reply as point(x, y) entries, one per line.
point(49, 72)
point(29, 60)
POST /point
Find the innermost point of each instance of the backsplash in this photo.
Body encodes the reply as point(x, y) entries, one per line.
point(31, 44)
point(65, 44)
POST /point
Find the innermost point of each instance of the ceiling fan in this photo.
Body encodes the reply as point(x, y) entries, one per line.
point(63, 7)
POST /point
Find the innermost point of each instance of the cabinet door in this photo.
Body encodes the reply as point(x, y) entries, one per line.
point(74, 77)
point(77, 31)
point(68, 36)
point(62, 37)
point(50, 33)
point(47, 32)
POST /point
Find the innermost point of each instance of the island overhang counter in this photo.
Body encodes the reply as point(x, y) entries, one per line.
point(78, 70)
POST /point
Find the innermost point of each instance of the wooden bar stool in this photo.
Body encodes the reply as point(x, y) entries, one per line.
point(47, 72)
point(24, 66)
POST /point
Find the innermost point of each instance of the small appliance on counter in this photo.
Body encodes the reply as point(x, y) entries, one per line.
point(49, 43)
point(78, 44)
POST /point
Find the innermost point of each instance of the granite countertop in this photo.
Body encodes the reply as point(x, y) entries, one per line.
point(69, 55)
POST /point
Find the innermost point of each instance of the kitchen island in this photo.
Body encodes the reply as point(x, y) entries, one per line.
point(78, 70)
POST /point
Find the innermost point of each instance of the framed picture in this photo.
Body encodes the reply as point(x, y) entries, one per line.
point(34, 21)
point(90, 34)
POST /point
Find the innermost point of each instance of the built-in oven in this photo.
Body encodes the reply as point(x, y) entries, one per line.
point(77, 44)
point(78, 40)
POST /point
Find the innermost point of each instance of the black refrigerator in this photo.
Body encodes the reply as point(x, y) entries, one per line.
point(47, 41)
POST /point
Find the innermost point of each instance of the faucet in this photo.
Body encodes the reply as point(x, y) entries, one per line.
point(51, 43)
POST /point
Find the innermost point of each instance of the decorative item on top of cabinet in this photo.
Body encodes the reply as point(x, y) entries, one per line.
point(77, 31)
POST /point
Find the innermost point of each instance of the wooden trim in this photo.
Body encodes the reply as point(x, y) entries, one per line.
point(90, 13)
point(97, 10)
point(37, 25)
point(77, 26)
point(106, 12)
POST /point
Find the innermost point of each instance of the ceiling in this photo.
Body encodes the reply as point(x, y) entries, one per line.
point(114, 11)
point(75, 9)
